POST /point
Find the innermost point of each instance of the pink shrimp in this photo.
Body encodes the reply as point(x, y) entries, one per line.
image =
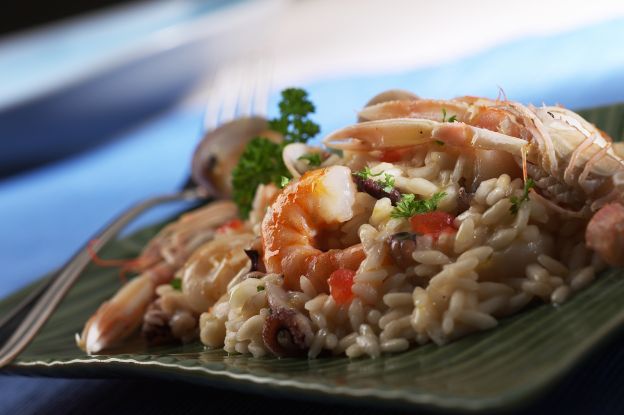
point(296, 226)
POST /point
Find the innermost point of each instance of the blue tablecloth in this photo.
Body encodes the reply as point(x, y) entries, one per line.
point(46, 214)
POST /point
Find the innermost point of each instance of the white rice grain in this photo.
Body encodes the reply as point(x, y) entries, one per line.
point(540, 289)
point(372, 276)
point(373, 317)
point(561, 294)
point(394, 345)
point(496, 213)
point(464, 237)
point(416, 185)
point(423, 270)
point(518, 301)
point(315, 304)
point(430, 257)
point(502, 238)
point(494, 304)
point(581, 278)
point(365, 291)
point(536, 272)
point(481, 253)
point(356, 313)
point(398, 300)
point(317, 344)
point(477, 319)
point(307, 287)
point(250, 328)
point(552, 265)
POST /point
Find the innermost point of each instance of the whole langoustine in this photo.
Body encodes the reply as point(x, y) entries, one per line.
point(574, 166)
point(293, 228)
point(121, 316)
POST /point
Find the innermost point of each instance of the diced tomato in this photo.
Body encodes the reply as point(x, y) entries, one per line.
point(340, 283)
point(432, 223)
point(233, 225)
point(390, 156)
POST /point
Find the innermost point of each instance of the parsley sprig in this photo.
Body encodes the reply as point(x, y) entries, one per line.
point(293, 121)
point(261, 161)
point(516, 202)
point(409, 206)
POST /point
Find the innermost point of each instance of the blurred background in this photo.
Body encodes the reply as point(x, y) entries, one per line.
point(102, 101)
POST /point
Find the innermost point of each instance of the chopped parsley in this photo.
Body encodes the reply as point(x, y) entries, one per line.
point(408, 206)
point(260, 288)
point(284, 181)
point(516, 202)
point(439, 142)
point(366, 173)
point(176, 283)
point(387, 183)
point(452, 118)
point(313, 159)
point(261, 161)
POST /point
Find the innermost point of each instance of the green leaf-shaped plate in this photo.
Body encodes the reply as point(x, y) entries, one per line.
point(497, 369)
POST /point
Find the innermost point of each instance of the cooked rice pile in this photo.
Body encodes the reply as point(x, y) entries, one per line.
point(494, 265)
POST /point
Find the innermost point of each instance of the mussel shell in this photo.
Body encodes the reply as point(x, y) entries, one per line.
point(218, 152)
point(392, 95)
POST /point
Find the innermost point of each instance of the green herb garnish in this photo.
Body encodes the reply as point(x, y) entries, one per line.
point(387, 181)
point(261, 161)
point(452, 118)
point(284, 181)
point(366, 173)
point(260, 288)
point(293, 121)
point(439, 142)
point(408, 206)
point(176, 283)
point(313, 159)
point(516, 202)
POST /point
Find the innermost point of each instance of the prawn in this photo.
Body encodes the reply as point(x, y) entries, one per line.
point(297, 223)
point(478, 112)
point(119, 317)
point(574, 165)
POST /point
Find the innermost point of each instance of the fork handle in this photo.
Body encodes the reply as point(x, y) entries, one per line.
point(63, 281)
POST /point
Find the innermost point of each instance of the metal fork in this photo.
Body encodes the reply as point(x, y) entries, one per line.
point(239, 90)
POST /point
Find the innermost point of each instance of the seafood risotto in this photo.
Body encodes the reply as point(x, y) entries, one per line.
point(423, 222)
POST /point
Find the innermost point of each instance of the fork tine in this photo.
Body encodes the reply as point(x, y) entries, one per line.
point(232, 85)
point(262, 88)
point(238, 90)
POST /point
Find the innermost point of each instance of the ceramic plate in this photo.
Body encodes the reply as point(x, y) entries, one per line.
point(501, 368)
